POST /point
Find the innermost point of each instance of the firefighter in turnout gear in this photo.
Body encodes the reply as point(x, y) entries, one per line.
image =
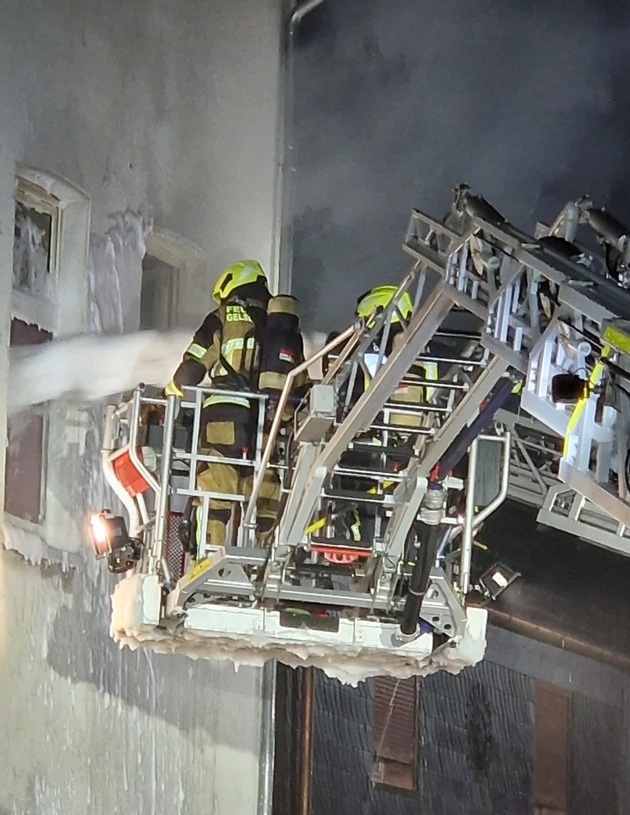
point(227, 347)
point(369, 305)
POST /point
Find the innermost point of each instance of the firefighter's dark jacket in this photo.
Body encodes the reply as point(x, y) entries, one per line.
point(251, 342)
point(227, 345)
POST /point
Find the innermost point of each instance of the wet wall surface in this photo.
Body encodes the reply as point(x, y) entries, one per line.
point(475, 749)
point(395, 103)
point(475, 738)
point(148, 107)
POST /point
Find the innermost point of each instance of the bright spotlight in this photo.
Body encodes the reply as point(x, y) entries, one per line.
point(496, 580)
point(110, 539)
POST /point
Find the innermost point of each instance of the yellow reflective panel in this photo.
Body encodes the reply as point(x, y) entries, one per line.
point(197, 351)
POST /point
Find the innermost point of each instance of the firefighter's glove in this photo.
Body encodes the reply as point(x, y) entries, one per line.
point(173, 390)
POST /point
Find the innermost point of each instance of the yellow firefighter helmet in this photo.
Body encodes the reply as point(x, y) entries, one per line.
point(378, 299)
point(239, 274)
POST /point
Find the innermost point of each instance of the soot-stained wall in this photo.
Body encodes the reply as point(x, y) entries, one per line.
point(475, 738)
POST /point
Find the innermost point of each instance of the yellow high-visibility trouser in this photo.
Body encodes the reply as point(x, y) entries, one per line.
point(228, 438)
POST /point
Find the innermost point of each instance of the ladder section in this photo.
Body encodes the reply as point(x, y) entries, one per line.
point(361, 416)
point(534, 465)
point(550, 313)
point(468, 386)
point(320, 452)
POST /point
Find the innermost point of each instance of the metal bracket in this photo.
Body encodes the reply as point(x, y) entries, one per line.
point(216, 574)
point(441, 608)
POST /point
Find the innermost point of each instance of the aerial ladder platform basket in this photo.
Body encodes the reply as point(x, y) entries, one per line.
point(370, 567)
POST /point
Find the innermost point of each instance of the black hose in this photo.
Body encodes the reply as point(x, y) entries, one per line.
point(609, 228)
point(477, 207)
point(457, 450)
point(429, 536)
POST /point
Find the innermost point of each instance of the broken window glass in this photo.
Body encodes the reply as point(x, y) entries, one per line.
point(33, 251)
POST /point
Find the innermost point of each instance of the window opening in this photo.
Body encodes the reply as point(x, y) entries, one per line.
point(159, 294)
point(395, 732)
point(35, 241)
point(27, 441)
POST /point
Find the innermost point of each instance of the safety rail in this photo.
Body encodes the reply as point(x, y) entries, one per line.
point(534, 481)
point(160, 481)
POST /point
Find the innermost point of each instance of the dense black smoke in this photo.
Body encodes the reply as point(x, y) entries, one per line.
point(396, 101)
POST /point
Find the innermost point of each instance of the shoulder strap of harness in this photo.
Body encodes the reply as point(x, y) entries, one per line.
point(247, 381)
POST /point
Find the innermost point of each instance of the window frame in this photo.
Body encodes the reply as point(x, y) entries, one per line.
point(37, 198)
point(64, 315)
point(395, 768)
point(190, 264)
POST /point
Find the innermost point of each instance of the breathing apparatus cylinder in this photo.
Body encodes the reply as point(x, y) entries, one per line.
point(283, 350)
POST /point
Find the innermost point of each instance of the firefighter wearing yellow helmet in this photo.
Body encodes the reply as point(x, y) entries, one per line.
point(369, 305)
point(227, 347)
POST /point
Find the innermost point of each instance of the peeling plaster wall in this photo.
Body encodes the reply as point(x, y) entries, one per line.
point(94, 730)
point(163, 113)
point(155, 107)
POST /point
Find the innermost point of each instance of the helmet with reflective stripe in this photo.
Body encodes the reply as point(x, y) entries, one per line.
point(378, 299)
point(239, 274)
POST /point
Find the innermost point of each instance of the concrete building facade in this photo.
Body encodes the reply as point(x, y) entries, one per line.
point(138, 156)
